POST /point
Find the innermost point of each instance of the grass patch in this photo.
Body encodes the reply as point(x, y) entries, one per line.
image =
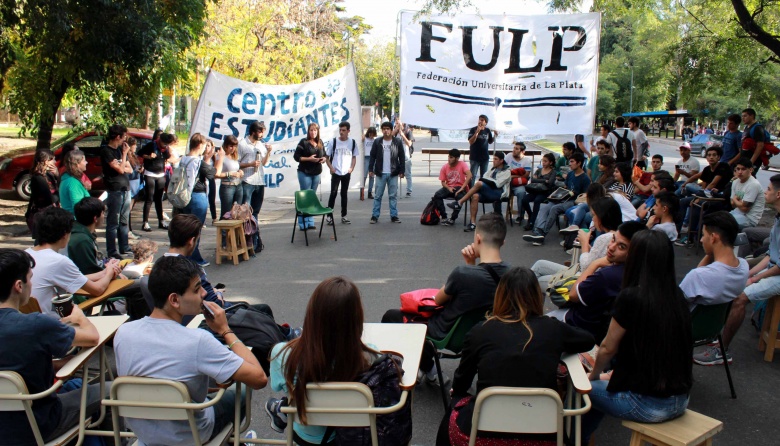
point(549, 145)
point(13, 132)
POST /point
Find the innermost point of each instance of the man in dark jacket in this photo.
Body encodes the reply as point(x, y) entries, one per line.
point(386, 164)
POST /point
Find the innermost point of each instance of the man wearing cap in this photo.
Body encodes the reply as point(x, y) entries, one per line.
point(253, 154)
point(489, 189)
point(685, 168)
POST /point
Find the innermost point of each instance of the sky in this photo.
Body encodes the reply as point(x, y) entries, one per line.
point(382, 15)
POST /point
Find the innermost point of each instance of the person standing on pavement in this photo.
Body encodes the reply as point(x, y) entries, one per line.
point(732, 140)
point(342, 152)
point(404, 131)
point(113, 158)
point(230, 190)
point(199, 167)
point(387, 163)
point(253, 154)
point(368, 142)
point(310, 155)
point(480, 138)
point(642, 150)
point(154, 154)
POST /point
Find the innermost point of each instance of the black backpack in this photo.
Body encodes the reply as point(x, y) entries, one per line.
point(430, 215)
point(384, 379)
point(624, 153)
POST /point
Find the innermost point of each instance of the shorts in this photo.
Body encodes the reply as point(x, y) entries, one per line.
point(488, 193)
point(763, 289)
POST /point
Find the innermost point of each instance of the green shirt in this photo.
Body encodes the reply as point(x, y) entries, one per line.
point(71, 192)
point(593, 169)
point(83, 250)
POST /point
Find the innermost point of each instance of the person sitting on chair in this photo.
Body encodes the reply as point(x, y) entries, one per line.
point(491, 188)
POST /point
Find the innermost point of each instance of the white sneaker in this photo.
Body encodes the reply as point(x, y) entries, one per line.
point(166, 217)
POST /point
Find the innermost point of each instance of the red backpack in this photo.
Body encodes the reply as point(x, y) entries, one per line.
point(430, 215)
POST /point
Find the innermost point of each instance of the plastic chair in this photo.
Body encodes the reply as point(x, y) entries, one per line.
point(707, 323)
point(521, 410)
point(161, 399)
point(451, 346)
point(341, 404)
point(308, 205)
point(14, 397)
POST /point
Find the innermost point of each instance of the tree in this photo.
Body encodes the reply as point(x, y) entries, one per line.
point(113, 55)
point(376, 72)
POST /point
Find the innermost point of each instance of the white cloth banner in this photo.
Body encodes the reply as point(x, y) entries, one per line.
point(527, 74)
point(228, 106)
point(502, 138)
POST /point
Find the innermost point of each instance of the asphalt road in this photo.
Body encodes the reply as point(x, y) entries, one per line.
point(387, 259)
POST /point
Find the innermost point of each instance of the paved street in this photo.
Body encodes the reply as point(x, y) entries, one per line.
point(386, 259)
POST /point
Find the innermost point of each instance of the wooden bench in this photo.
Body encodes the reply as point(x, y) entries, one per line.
point(768, 338)
point(507, 152)
point(236, 241)
point(688, 430)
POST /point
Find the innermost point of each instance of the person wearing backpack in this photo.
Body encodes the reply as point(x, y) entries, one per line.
point(623, 142)
point(330, 349)
point(341, 158)
point(198, 173)
point(755, 140)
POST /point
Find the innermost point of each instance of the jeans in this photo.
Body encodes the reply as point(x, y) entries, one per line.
point(440, 196)
point(478, 166)
point(637, 200)
point(691, 189)
point(548, 213)
point(382, 180)
point(544, 270)
point(370, 184)
point(408, 175)
point(225, 409)
point(198, 206)
point(629, 406)
point(537, 200)
point(335, 181)
point(311, 182)
point(577, 215)
point(254, 196)
point(117, 216)
point(741, 219)
point(229, 194)
point(154, 192)
point(519, 193)
point(71, 405)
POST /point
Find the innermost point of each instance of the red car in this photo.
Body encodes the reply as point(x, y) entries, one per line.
point(15, 171)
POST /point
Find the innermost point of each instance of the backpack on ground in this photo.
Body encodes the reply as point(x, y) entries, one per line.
point(430, 215)
point(179, 189)
point(384, 379)
point(623, 150)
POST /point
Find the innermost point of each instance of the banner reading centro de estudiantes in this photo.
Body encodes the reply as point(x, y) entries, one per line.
point(528, 74)
point(227, 106)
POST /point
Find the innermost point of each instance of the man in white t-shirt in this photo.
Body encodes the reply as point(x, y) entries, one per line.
point(642, 145)
point(720, 276)
point(515, 162)
point(747, 195)
point(342, 156)
point(623, 142)
point(404, 131)
point(253, 154)
point(159, 346)
point(56, 274)
point(685, 168)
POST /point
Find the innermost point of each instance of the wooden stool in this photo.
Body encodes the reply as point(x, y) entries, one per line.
point(768, 338)
point(236, 241)
point(690, 429)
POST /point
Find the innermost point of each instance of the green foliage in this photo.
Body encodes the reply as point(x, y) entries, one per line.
point(113, 56)
point(377, 74)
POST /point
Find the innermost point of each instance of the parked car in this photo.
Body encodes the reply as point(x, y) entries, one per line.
point(15, 171)
point(700, 143)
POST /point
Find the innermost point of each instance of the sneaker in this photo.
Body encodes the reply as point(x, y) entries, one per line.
point(345, 221)
point(684, 242)
point(166, 217)
point(408, 194)
point(370, 196)
point(329, 220)
point(711, 356)
point(447, 222)
point(571, 229)
point(454, 205)
point(250, 435)
point(684, 230)
point(204, 264)
point(294, 333)
point(434, 381)
point(374, 220)
point(163, 225)
point(132, 236)
point(562, 243)
point(278, 419)
point(146, 227)
point(536, 240)
point(117, 256)
point(395, 219)
point(470, 228)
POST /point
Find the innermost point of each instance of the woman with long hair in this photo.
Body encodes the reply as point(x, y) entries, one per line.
point(368, 141)
point(43, 187)
point(229, 173)
point(212, 183)
point(71, 188)
point(310, 155)
point(68, 147)
point(329, 349)
point(623, 181)
point(516, 347)
point(155, 154)
point(544, 178)
point(649, 339)
point(607, 169)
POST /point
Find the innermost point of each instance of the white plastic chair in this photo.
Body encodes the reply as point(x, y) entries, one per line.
point(341, 404)
point(14, 397)
point(159, 399)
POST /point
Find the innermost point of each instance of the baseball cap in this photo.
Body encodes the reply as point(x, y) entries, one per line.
point(685, 145)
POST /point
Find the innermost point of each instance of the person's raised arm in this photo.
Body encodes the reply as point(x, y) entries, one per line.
point(592, 268)
point(250, 372)
point(608, 349)
point(86, 333)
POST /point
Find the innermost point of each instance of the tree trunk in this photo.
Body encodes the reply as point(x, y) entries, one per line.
point(755, 31)
point(48, 115)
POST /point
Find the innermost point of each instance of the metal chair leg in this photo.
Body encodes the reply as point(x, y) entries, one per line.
point(322, 223)
point(335, 239)
point(305, 231)
point(295, 223)
point(726, 365)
